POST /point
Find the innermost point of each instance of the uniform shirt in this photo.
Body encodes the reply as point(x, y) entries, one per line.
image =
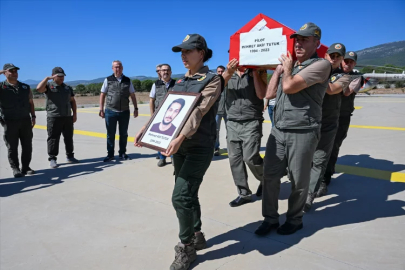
point(343, 81)
point(355, 85)
point(105, 83)
point(208, 98)
point(317, 72)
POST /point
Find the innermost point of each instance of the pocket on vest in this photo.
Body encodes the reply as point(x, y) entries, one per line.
point(297, 116)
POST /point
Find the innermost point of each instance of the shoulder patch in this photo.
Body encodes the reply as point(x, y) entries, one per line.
point(333, 79)
point(24, 86)
point(179, 81)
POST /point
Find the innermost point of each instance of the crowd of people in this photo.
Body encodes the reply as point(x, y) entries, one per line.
point(310, 101)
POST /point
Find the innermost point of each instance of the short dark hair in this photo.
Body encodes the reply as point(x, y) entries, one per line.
point(170, 68)
point(180, 101)
point(221, 67)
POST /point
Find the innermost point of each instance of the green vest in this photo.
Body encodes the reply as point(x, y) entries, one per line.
point(118, 93)
point(207, 131)
point(242, 102)
point(58, 100)
point(14, 101)
point(221, 103)
point(161, 91)
point(331, 104)
point(302, 110)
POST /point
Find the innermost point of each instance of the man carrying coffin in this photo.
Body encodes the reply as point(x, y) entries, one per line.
point(346, 111)
point(245, 90)
point(330, 119)
point(297, 117)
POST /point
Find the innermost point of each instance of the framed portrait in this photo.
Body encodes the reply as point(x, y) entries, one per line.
point(168, 120)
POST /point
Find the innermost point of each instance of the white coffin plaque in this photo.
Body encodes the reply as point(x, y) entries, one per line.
point(262, 48)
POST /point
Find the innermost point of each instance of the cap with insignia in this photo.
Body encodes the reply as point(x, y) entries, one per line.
point(308, 30)
point(58, 71)
point(337, 48)
point(9, 66)
point(190, 42)
point(351, 55)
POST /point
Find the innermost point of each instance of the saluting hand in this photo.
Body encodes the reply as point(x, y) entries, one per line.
point(2, 71)
point(287, 62)
point(52, 77)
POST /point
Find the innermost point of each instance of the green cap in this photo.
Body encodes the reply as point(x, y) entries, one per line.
point(308, 30)
point(191, 41)
point(9, 66)
point(351, 55)
point(337, 48)
point(58, 71)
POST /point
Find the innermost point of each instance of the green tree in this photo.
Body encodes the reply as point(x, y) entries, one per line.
point(146, 85)
point(35, 92)
point(137, 84)
point(80, 89)
point(399, 84)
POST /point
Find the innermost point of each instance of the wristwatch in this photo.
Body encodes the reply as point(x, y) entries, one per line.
point(33, 116)
point(135, 109)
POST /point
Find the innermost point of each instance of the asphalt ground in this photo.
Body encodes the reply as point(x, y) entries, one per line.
point(118, 215)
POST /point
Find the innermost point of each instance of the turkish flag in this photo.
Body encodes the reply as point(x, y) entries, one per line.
point(271, 24)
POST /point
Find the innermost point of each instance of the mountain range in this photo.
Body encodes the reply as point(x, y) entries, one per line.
point(392, 53)
point(389, 53)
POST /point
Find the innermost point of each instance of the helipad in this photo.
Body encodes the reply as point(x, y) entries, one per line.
point(118, 215)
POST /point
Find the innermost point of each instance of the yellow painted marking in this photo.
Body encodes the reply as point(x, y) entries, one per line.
point(365, 172)
point(268, 121)
point(373, 127)
point(90, 133)
point(358, 107)
point(372, 173)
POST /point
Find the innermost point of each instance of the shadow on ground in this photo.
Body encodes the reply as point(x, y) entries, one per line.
point(49, 177)
point(354, 200)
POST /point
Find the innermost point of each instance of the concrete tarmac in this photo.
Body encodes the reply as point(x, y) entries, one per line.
point(118, 215)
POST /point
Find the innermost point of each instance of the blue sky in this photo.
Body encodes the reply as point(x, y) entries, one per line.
point(84, 36)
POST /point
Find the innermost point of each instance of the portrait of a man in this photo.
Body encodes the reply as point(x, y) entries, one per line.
point(166, 126)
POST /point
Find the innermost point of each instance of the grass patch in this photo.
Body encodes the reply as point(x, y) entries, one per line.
point(40, 109)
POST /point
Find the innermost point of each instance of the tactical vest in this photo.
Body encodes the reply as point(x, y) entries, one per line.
point(331, 103)
point(161, 91)
point(14, 102)
point(302, 110)
point(207, 129)
point(118, 93)
point(347, 107)
point(242, 102)
point(221, 103)
point(58, 100)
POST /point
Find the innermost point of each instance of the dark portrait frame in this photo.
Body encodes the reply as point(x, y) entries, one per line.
point(165, 105)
